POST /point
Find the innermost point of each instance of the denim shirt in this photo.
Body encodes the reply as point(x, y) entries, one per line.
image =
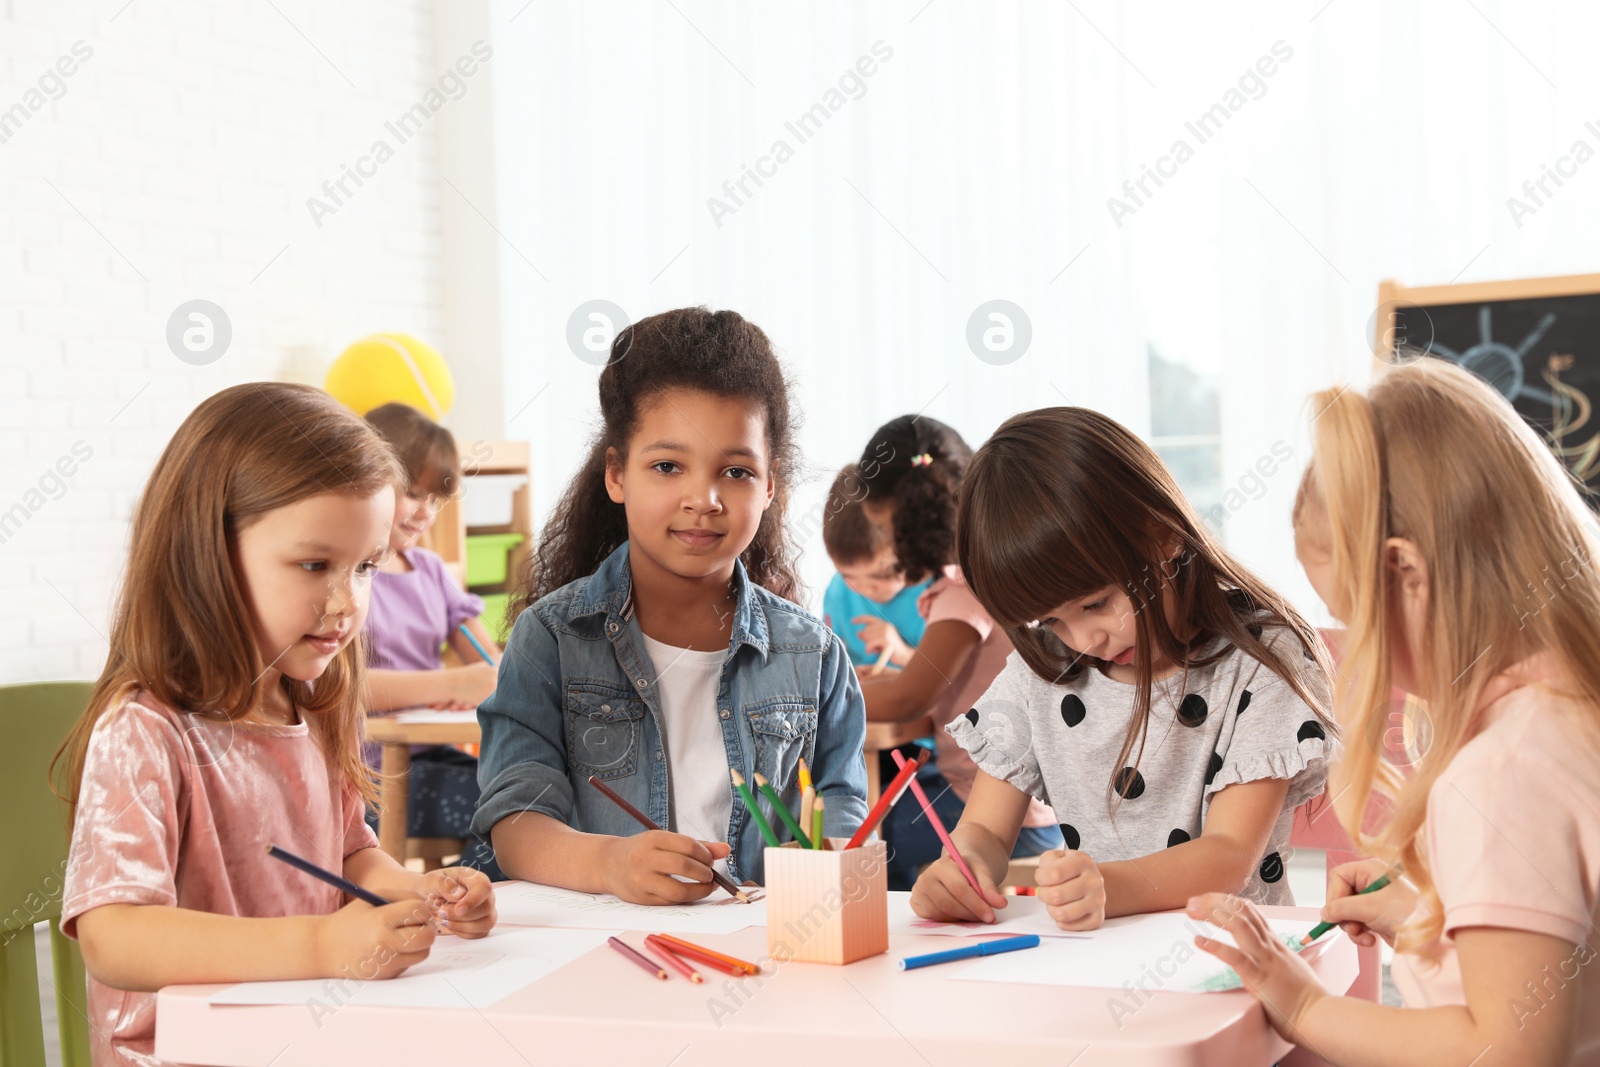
point(577, 696)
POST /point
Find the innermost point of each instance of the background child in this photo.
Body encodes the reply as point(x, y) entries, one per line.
point(869, 603)
point(1469, 582)
point(1163, 700)
point(912, 469)
point(417, 608)
point(228, 718)
point(657, 643)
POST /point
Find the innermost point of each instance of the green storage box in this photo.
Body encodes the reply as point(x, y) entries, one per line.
point(494, 616)
point(488, 556)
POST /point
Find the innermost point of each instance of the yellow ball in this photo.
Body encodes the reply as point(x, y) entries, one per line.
point(389, 367)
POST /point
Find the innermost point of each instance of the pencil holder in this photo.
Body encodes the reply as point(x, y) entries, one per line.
point(827, 905)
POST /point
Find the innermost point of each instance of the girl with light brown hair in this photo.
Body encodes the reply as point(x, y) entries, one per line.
point(1442, 532)
point(228, 718)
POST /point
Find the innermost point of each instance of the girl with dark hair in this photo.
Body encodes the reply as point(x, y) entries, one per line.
point(1166, 703)
point(912, 470)
point(657, 645)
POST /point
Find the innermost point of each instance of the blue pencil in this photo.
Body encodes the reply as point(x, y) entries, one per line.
point(971, 952)
point(327, 876)
point(468, 635)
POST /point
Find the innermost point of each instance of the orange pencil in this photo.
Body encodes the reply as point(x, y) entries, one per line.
point(683, 947)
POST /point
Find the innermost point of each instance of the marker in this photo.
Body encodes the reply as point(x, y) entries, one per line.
point(971, 952)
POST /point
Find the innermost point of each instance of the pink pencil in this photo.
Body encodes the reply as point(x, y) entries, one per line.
point(933, 817)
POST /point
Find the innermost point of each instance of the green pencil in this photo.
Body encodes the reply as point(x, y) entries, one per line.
point(1322, 928)
point(755, 812)
point(816, 824)
point(782, 809)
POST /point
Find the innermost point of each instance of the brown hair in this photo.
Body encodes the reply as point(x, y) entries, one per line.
point(1062, 502)
point(181, 629)
point(916, 463)
point(847, 533)
point(1436, 456)
point(715, 352)
point(425, 449)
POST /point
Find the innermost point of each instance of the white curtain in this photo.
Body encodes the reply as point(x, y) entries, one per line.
point(1347, 142)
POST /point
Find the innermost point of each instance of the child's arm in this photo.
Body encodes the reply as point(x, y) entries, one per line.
point(464, 686)
point(463, 648)
point(642, 868)
point(143, 947)
point(877, 633)
point(1502, 1024)
point(1081, 894)
point(985, 837)
point(939, 657)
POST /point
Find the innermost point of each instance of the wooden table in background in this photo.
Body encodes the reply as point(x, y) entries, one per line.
point(398, 737)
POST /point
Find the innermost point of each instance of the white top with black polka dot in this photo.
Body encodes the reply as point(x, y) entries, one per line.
point(1231, 722)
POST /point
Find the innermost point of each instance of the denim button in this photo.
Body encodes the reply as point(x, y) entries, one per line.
point(611, 626)
point(640, 682)
point(724, 713)
point(605, 707)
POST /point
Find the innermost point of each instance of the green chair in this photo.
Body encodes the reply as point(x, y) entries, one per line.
point(34, 719)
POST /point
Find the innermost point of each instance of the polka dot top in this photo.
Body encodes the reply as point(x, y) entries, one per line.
point(1231, 722)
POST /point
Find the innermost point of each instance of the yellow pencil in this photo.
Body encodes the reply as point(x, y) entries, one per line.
point(805, 776)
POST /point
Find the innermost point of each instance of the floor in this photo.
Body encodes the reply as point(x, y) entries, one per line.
point(1307, 877)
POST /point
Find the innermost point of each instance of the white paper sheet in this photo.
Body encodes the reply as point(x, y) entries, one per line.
point(457, 973)
point(433, 715)
point(1021, 915)
point(527, 904)
point(1145, 952)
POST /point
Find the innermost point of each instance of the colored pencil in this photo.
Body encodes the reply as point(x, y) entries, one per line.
point(808, 804)
point(672, 959)
point(886, 799)
point(817, 840)
point(783, 811)
point(938, 824)
point(970, 952)
point(722, 880)
point(327, 876)
point(755, 811)
point(1322, 928)
point(682, 947)
point(468, 635)
point(805, 777)
point(883, 661)
point(637, 957)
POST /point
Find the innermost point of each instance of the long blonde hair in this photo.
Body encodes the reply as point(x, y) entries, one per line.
point(1434, 455)
point(181, 628)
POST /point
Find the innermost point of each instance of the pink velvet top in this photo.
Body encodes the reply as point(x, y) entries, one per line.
point(178, 810)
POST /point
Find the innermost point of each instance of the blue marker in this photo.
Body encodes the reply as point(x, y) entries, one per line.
point(468, 635)
point(971, 952)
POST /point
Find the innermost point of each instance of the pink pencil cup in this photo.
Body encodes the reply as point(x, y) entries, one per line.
point(827, 906)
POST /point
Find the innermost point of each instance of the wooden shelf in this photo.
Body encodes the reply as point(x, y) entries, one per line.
point(448, 537)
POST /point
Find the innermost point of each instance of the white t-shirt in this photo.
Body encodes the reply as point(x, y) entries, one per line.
point(697, 760)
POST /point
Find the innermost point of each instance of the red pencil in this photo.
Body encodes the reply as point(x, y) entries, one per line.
point(663, 950)
point(706, 955)
point(887, 798)
point(637, 957)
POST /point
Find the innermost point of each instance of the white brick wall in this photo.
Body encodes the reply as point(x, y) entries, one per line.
point(190, 140)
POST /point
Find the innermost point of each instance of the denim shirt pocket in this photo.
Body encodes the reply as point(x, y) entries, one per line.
point(783, 731)
point(603, 724)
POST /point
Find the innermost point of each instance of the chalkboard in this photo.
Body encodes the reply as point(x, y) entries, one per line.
point(1537, 341)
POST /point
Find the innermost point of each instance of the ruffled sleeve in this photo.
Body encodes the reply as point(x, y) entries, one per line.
point(998, 731)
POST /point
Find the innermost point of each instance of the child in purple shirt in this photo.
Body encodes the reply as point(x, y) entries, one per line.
point(417, 608)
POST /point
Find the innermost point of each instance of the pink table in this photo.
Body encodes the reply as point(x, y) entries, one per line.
point(601, 1009)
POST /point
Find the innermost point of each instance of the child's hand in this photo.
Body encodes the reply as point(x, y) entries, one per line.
point(878, 634)
point(942, 894)
point(472, 684)
point(1381, 912)
point(360, 941)
point(645, 868)
point(1072, 889)
point(463, 897)
point(1280, 979)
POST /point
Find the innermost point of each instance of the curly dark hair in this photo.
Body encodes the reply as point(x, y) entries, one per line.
point(717, 352)
point(916, 463)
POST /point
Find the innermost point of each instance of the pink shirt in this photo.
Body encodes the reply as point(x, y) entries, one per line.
point(176, 809)
point(1513, 838)
point(946, 599)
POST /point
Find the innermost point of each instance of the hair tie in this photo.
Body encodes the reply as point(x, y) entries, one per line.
point(923, 460)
